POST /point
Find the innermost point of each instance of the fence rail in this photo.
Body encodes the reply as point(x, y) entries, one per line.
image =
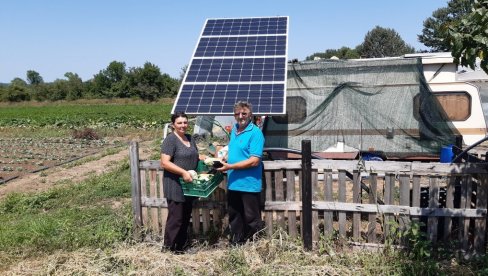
point(449, 200)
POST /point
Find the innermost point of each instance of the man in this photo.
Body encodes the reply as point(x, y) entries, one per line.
point(244, 175)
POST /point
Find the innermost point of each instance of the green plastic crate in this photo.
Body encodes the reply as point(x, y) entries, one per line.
point(201, 167)
point(201, 188)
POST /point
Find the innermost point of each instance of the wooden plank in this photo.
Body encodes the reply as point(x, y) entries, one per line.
point(153, 187)
point(164, 209)
point(290, 196)
point(195, 220)
point(135, 183)
point(450, 205)
point(205, 220)
point(448, 169)
point(299, 198)
point(315, 213)
point(300, 183)
point(371, 235)
point(416, 194)
point(480, 223)
point(161, 202)
point(433, 203)
point(388, 192)
point(282, 165)
point(466, 193)
point(382, 167)
point(328, 215)
point(375, 208)
point(371, 166)
point(279, 196)
point(154, 202)
point(217, 196)
point(269, 198)
point(356, 198)
point(342, 198)
point(223, 219)
point(144, 194)
point(150, 164)
point(315, 184)
point(404, 221)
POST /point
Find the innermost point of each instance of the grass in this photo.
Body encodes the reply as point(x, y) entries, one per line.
point(278, 255)
point(67, 217)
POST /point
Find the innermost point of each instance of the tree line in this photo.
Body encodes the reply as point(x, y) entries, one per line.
point(459, 28)
point(115, 81)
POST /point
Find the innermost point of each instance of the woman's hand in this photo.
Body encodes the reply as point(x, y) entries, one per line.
point(187, 176)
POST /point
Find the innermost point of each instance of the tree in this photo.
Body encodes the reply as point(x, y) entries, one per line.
point(433, 33)
point(17, 91)
point(75, 86)
point(58, 90)
point(34, 78)
point(149, 84)
point(104, 82)
point(342, 53)
point(383, 42)
point(469, 37)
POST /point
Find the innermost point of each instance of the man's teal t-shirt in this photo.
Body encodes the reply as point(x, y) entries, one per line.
point(248, 143)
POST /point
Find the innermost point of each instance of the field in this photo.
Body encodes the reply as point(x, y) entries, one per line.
point(94, 114)
point(84, 225)
point(39, 136)
point(20, 156)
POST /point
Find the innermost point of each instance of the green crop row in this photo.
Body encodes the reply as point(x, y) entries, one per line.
point(137, 115)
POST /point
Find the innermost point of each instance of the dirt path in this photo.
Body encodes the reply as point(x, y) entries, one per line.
point(41, 181)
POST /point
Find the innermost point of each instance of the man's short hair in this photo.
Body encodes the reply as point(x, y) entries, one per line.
point(241, 104)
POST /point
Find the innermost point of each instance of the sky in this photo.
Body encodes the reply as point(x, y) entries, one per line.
point(58, 36)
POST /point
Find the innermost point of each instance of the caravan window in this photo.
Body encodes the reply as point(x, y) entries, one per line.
point(456, 105)
point(296, 111)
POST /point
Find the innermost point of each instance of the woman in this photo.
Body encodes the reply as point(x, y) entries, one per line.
point(179, 154)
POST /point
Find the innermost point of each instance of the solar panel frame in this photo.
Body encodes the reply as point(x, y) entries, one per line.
point(237, 59)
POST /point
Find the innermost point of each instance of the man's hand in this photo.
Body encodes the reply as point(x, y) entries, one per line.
point(225, 167)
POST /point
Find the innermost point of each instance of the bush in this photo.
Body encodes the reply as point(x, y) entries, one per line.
point(86, 133)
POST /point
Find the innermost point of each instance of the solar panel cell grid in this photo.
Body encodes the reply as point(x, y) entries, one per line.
point(276, 25)
point(241, 46)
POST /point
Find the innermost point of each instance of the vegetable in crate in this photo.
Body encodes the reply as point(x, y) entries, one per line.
point(214, 162)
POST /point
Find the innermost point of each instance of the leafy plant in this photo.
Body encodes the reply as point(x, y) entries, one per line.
point(469, 39)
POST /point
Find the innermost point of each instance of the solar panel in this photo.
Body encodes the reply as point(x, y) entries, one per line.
point(237, 59)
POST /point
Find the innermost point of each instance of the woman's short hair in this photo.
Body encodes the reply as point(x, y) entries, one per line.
point(178, 114)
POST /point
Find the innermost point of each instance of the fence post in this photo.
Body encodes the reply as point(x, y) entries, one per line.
point(136, 182)
point(307, 194)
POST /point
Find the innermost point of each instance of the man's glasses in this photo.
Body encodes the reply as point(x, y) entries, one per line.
point(240, 113)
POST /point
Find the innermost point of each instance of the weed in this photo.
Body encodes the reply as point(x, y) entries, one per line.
point(235, 261)
point(86, 133)
point(67, 217)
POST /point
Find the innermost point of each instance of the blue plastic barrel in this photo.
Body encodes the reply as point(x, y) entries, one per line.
point(446, 154)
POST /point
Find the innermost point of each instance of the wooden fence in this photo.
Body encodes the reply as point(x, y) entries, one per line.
point(449, 200)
